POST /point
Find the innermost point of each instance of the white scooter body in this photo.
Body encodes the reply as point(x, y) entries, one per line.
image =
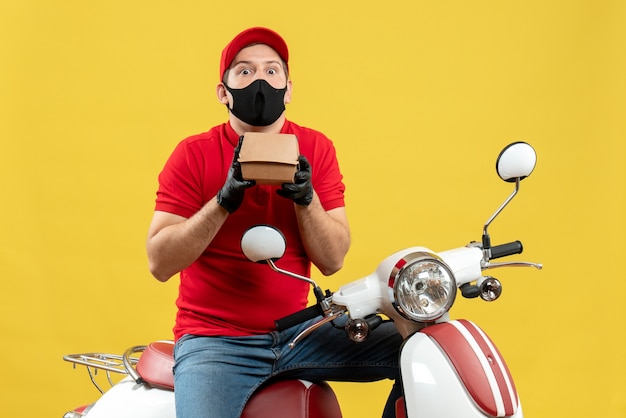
point(453, 370)
point(450, 368)
point(128, 399)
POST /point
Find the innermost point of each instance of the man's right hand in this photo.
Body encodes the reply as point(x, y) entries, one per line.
point(231, 194)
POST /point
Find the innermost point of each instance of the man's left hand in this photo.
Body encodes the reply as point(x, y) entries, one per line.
point(301, 190)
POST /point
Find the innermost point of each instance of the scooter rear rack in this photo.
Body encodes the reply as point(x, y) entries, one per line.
point(110, 363)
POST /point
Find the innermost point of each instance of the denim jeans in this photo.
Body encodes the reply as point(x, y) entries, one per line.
point(215, 376)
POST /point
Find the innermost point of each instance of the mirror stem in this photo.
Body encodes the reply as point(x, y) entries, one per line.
point(319, 294)
point(290, 274)
point(486, 239)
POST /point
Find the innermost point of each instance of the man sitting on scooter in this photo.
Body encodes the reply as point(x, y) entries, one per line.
point(226, 342)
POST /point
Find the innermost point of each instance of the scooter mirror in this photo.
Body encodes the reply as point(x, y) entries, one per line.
point(262, 242)
point(516, 161)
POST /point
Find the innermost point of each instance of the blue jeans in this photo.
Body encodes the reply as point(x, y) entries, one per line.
point(215, 376)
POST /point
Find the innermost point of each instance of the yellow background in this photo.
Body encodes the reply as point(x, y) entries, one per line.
point(418, 96)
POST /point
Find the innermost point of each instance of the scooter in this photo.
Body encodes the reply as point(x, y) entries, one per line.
point(449, 368)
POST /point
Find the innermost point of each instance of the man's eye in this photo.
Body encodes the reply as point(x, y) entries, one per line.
point(272, 71)
point(246, 71)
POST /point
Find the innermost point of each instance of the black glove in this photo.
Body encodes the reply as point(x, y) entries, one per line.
point(230, 195)
point(301, 190)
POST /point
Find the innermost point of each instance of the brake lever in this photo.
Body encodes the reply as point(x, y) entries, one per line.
point(489, 265)
point(331, 316)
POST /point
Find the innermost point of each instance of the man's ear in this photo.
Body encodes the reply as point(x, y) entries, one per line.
point(222, 93)
point(288, 92)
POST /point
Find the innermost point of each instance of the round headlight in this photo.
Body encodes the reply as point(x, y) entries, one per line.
point(422, 287)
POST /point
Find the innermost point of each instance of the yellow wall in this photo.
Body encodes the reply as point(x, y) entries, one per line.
point(419, 97)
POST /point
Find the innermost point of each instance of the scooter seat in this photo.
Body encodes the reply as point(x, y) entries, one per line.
point(296, 398)
point(156, 364)
point(293, 399)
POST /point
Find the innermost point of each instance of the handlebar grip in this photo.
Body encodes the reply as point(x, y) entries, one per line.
point(298, 317)
point(503, 250)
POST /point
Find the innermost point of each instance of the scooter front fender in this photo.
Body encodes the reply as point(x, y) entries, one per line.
point(128, 399)
point(453, 369)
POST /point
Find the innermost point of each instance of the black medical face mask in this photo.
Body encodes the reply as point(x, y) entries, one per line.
point(258, 104)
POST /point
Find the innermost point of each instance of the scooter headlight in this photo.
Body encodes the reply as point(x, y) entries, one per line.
point(422, 287)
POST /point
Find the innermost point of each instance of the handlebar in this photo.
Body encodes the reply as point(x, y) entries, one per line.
point(503, 250)
point(299, 317)
point(507, 249)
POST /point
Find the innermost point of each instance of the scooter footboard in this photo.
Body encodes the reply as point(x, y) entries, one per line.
point(454, 369)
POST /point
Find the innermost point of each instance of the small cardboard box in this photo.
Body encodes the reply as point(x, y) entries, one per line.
point(269, 158)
